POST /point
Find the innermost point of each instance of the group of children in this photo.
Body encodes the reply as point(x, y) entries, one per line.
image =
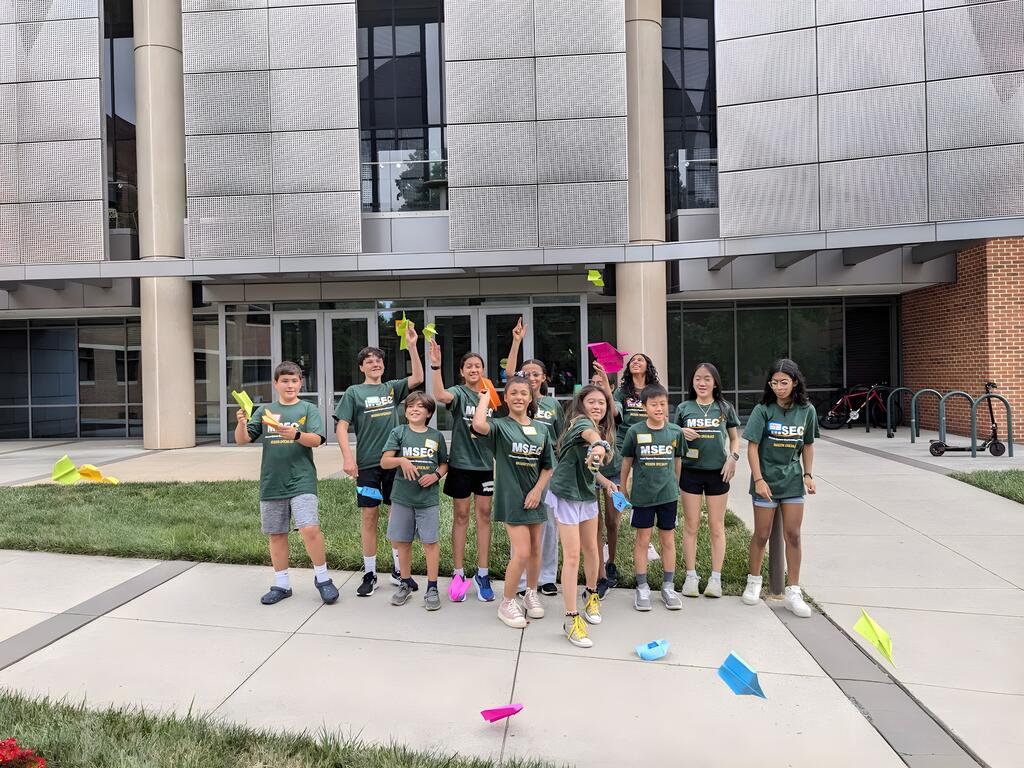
point(540, 472)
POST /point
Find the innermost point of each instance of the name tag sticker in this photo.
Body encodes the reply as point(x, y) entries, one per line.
point(431, 444)
point(692, 453)
point(529, 430)
point(643, 438)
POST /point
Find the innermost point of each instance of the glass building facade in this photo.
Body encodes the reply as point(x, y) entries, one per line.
point(119, 110)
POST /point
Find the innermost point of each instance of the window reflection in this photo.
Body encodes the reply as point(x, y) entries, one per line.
point(119, 108)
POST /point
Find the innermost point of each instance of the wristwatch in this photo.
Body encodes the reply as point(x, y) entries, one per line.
point(735, 456)
point(435, 367)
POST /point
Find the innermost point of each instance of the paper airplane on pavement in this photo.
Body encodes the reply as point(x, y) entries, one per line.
point(500, 713)
point(868, 628)
point(738, 675)
point(64, 472)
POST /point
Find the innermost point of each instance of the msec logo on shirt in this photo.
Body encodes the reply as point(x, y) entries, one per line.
point(520, 450)
point(380, 402)
point(780, 431)
point(700, 423)
point(656, 450)
point(416, 452)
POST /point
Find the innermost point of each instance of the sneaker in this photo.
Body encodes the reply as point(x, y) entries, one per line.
point(652, 554)
point(534, 608)
point(368, 585)
point(484, 593)
point(613, 575)
point(752, 594)
point(401, 596)
point(670, 597)
point(396, 578)
point(714, 587)
point(432, 600)
point(691, 587)
point(551, 590)
point(576, 631)
point(510, 613)
point(602, 588)
point(592, 608)
point(642, 600)
point(458, 588)
point(795, 602)
point(275, 595)
point(328, 592)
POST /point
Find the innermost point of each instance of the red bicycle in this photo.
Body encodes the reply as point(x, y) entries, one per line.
point(855, 403)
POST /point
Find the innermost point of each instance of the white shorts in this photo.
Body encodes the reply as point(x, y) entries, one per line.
point(569, 512)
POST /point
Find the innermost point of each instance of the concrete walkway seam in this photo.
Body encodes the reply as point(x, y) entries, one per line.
point(886, 455)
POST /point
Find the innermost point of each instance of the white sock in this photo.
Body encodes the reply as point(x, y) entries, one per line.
point(481, 571)
point(692, 574)
point(370, 564)
point(716, 575)
point(460, 572)
point(320, 573)
point(394, 555)
point(281, 579)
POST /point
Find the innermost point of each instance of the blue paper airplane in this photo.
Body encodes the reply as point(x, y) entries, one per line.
point(738, 675)
point(620, 501)
point(370, 493)
point(652, 650)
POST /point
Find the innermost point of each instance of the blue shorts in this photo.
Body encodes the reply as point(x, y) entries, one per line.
point(773, 503)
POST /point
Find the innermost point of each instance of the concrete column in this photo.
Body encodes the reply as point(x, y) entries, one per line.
point(168, 378)
point(640, 312)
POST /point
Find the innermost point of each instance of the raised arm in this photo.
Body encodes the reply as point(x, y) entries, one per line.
point(513, 353)
point(411, 337)
point(441, 394)
point(480, 425)
point(602, 374)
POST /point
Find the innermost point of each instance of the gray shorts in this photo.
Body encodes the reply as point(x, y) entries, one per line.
point(406, 523)
point(276, 514)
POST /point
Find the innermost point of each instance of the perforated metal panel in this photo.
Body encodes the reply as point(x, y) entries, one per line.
point(60, 170)
point(975, 111)
point(868, 54)
point(975, 40)
point(583, 214)
point(8, 12)
point(570, 26)
point(507, 83)
point(225, 41)
point(767, 134)
point(582, 150)
point(769, 201)
point(61, 232)
point(478, 29)
point(874, 192)
point(230, 227)
point(8, 113)
point(315, 36)
point(8, 53)
point(316, 161)
point(739, 18)
point(486, 154)
point(234, 102)
point(836, 11)
point(228, 165)
point(318, 224)
point(46, 10)
point(8, 173)
point(283, 3)
point(930, 5)
point(771, 67)
point(9, 235)
point(188, 6)
point(581, 86)
point(976, 183)
point(492, 217)
point(58, 111)
point(312, 99)
point(863, 123)
point(58, 50)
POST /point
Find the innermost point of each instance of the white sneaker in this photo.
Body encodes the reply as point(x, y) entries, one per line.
point(671, 598)
point(642, 599)
point(510, 613)
point(752, 594)
point(531, 601)
point(795, 602)
point(714, 587)
point(652, 553)
point(691, 587)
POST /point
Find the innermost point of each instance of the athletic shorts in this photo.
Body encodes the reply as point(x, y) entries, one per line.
point(773, 503)
point(463, 483)
point(276, 514)
point(665, 515)
point(703, 481)
point(569, 511)
point(407, 523)
point(375, 477)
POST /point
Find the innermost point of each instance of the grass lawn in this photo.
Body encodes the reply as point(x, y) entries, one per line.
point(71, 736)
point(1005, 482)
point(219, 522)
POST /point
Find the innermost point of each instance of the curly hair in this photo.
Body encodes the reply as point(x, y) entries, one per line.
point(628, 388)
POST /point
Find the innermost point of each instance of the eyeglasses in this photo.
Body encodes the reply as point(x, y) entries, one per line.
point(781, 383)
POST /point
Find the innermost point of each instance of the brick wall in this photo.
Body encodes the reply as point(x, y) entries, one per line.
point(960, 335)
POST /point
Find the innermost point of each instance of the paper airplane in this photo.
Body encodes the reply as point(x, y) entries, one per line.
point(738, 675)
point(495, 400)
point(270, 420)
point(620, 501)
point(594, 276)
point(608, 356)
point(64, 472)
point(370, 493)
point(652, 650)
point(500, 713)
point(92, 474)
point(458, 590)
point(400, 328)
point(244, 402)
point(429, 331)
point(867, 628)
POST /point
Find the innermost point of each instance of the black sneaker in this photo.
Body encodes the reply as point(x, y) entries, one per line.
point(368, 586)
point(548, 589)
point(613, 575)
point(521, 593)
point(396, 579)
point(602, 588)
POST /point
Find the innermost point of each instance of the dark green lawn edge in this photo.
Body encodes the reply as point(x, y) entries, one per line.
point(1008, 483)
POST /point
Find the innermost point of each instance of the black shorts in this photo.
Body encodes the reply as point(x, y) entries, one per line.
point(375, 477)
point(703, 481)
point(665, 514)
point(462, 483)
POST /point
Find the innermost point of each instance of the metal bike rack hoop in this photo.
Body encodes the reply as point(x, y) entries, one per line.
point(974, 423)
point(890, 428)
point(942, 412)
point(915, 428)
point(867, 404)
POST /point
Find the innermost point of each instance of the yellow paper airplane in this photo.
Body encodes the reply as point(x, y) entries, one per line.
point(64, 472)
point(429, 331)
point(594, 276)
point(93, 475)
point(270, 420)
point(400, 327)
point(244, 402)
point(867, 628)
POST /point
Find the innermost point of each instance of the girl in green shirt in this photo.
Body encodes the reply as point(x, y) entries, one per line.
point(780, 436)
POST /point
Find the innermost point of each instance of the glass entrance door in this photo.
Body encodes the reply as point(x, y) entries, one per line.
point(298, 338)
point(346, 334)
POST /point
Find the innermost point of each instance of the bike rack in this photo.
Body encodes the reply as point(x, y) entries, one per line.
point(974, 423)
point(942, 411)
point(890, 428)
point(915, 428)
point(867, 405)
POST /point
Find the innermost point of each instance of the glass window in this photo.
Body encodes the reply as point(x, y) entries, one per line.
point(54, 366)
point(101, 365)
point(133, 360)
point(14, 424)
point(55, 422)
point(119, 103)
point(348, 336)
point(498, 334)
point(455, 334)
point(208, 420)
point(868, 345)
point(709, 337)
point(675, 335)
point(601, 323)
point(101, 421)
point(762, 338)
point(817, 344)
point(248, 357)
point(14, 367)
point(556, 341)
point(206, 351)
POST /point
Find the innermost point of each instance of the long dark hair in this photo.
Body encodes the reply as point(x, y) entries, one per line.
point(576, 410)
point(716, 393)
point(531, 408)
point(791, 369)
point(470, 356)
point(650, 377)
point(543, 368)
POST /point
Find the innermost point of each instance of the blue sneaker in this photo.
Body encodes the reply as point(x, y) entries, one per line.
point(484, 593)
point(328, 592)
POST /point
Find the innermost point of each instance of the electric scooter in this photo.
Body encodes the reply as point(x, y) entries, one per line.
point(991, 443)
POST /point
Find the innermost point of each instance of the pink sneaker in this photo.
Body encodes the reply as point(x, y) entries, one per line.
point(458, 588)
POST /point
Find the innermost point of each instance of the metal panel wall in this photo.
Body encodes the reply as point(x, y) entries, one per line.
point(838, 11)
point(975, 40)
point(780, 66)
point(768, 133)
point(742, 18)
point(873, 192)
point(769, 201)
point(897, 53)
point(860, 123)
point(271, 124)
point(975, 111)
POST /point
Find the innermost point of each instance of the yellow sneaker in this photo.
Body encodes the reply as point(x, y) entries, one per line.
point(592, 608)
point(576, 631)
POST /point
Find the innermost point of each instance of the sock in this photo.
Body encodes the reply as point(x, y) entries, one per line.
point(717, 575)
point(410, 581)
point(669, 579)
point(431, 584)
point(691, 574)
point(281, 579)
point(641, 579)
point(394, 557)
point(370, 564)
point(460, 572)
point(481, 572)
point(570, 614)
point(320, 573)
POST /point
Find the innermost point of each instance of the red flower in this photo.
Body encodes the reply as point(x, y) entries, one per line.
point(13, 756)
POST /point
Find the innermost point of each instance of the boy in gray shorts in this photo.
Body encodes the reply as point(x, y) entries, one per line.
point(421, 457)
point(290, 428)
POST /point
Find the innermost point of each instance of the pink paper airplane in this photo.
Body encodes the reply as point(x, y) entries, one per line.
point(500, 713)
point(608, 356)
point(457, 591)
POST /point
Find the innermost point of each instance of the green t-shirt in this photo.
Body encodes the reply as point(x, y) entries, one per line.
point(286, 468)
point(549, 413)
point(520, 453)
point(781, 435)
point(654, 453)
point(572, 479)
point(372, 412)
point(426, 450)
point(629, 411)
point(469, 451)
point(712, 426)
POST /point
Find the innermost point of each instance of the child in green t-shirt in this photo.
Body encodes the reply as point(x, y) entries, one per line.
point(653, 449)
point(290, 428)
point(421, 454)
